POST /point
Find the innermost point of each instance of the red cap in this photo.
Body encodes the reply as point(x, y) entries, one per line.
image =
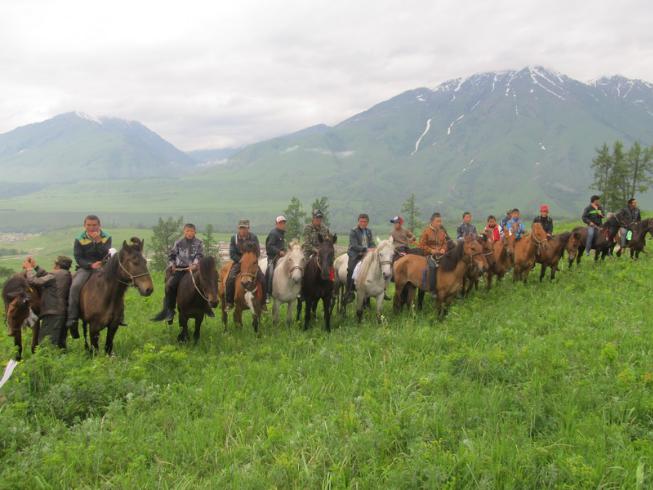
point(544, 208)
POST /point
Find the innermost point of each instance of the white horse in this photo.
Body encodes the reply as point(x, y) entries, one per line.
point(373, 276)
point(340, 283)
point(287, 281)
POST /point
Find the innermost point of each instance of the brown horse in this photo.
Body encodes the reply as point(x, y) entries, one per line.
point(409, 274)
point(249, 289)
point(499, 262)
point(550, 255)
point(524, 251)
point(318, 282)
point(102, 299)
point(19, 298)
point(638, 241)
point(473, 273)
point(603, 243)
point(196, 295)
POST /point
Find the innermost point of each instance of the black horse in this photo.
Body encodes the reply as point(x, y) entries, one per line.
point(317, 282)
point(602, 245)
point(638, 240)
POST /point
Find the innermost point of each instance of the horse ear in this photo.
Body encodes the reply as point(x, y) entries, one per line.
point(125, 244)
point(335, 239)
point(391, 240)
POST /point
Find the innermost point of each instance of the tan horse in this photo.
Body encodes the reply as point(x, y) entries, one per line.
point(525, 250)
point(409, 274)
point(248, 293)
point(550, 255)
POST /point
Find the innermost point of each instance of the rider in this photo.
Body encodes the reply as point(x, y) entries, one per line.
point(627, 217)
point(545, 220)
point(275, 247)
point(185, 255)
point(466, 227)
point(91, 248)
point(593, 218)
point(493, 229)
point(505, 219)
point(55, 287)
point(236, 249)
point(434, 242)
point(312, 232)
point(515, 225)
point(360, 241)
point(402, 239)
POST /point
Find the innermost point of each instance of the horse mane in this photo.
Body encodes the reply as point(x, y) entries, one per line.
point(450, 260)
point(206, 265)
point(368, 261)
point(110, 270)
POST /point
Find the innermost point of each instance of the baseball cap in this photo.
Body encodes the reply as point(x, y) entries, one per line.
point(544, 208)
point(397, 219)
point(243, 223)
point(317, 214)
point(280, 218)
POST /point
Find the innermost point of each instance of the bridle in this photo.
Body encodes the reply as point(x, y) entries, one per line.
point(132, 277)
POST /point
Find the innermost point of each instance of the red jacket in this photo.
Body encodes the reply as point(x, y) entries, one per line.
point(495, 233)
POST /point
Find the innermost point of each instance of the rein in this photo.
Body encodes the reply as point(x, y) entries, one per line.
point(192, 278)
point(132, 277)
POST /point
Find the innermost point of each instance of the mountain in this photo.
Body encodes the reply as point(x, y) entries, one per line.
point(210, 157)
point(484, 142)
point(75, 146)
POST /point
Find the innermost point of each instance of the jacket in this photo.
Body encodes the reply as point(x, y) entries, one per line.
point(628, 216)
point(185, 253)
point(516, 227)
point(591, 215)
point(54, 288)
point(434, 242)
point(546, 222)
point(275, 243)
point(237, 246)
point(359, 241)
point(311, 241)
point(495, 233)
point(465, 229)
point(88, 251)
point(402, 238)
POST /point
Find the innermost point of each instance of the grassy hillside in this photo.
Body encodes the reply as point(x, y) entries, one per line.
point(536, 386)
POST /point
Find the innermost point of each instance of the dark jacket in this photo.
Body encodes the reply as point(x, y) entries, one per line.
point(54, 288)
point(87, 251)
point(237, 246)
point(465, 229)
point(359, 241)
point(591, 215)
point(275, 243)
point(185, 253)
point(547, 223)
point(628, 216)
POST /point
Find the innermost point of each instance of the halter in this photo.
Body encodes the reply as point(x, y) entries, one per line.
point(132, 277)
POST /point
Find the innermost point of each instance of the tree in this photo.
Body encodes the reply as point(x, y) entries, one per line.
point(323, 205)
point(412, 214)
point(294, 218)
point(602, 165)
point(163, 238)
point(640, 165)
point(210, 242)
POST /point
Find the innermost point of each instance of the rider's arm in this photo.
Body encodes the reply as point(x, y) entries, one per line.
point(199, 253)
point(586, 215)
point(234, 253)
point(34, 279)
point(82, 261)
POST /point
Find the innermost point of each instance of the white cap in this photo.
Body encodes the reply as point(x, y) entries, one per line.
point(281, 218)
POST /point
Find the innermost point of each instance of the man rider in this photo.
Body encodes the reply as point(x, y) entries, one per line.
point(275, 247)
point(593, 218)
point(360, 241)
point(627, 217)
point(236, 249)
point(55, 287)
point(91, 248)
point(312, 231)
point(185, 254)
point(545, 220)
point(434, 242)
point(402, 239)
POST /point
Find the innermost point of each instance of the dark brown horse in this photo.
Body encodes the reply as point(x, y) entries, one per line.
point(603, 243)
point(473, 273)
point(102, 300)
point(499, 262)
point(249, 288)
point(196, 295)
point(409, 274)
point(19, 298)
point(524, 251)
point(638, 240)
point(550, 255)
point(317, 283)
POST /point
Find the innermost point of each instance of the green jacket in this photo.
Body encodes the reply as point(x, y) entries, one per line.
point(311, 241)
point(87, 251)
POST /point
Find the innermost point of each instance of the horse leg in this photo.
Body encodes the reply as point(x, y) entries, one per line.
point(543, 271)
point(183, 324)
point(35, 335)
point(307, 313)
point(94, 332)
point(85, 330)
point(289, 310)
point(18, 342)
point(360, 304)
point(198, 326)
point(326, 304)
point(420, 298)
point(238, 316)
point(410, 296)
point(275, 311)
point(397, 300)
point(255, 320)
point(299, 309)
point(108, 343)
point(488, 284)
point(379, 307)
point(554, 269)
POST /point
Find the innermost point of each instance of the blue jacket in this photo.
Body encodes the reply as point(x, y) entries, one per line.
point(516, 227)
point(357, 239)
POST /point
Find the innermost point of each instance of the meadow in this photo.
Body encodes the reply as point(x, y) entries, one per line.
point(538, 386)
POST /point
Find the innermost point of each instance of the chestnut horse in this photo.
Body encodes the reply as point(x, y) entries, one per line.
point(248, 293)
point(499, 262)
point(197, 294)
point(524, 251)
point(409, 274)
point(473, 274)
point(550, 255)
point(19, 298)
point(102, 299)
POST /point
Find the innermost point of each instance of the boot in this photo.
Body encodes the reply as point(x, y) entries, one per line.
point(349, 294)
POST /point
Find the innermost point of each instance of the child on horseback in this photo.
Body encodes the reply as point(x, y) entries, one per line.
point(515, 226)
point(545, 220)
point(492, 229)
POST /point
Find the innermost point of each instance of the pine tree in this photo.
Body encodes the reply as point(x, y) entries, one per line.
point(210, 242)
point(640, 169)
point(412, 214)
point(294, 218)
point(602, 165)
point(163, 238)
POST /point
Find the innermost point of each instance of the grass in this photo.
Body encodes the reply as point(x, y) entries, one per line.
point(537, 386)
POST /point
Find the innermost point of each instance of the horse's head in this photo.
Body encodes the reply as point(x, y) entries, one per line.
point(573, 244)
point(487, 244)
point(325, 256)
point(386, 251)
point(208, 280)
point(295, 262)
point(133, 266)
point(249, 268)
point(474, 250)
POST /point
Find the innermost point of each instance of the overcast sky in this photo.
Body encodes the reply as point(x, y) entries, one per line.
point(227, 73)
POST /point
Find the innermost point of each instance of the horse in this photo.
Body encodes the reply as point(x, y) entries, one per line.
point(248, 293)
point(603, 243)
point(499, 262)
point(20, 300)
point(638, 240)
point(317, 283)
point(287, 281)
point(409, 274)
point(102, 299)
point(550, 255)
point(473, 274)
point(373, 276)
point(525, 250)
point(340, 283)
point(196, 295)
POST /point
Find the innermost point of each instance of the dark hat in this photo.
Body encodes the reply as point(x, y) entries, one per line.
point(243, 223)
point(397, 219)
point(317, 214)
point(64, 262)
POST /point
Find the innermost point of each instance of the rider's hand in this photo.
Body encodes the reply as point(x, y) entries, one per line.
point(193, 267)
point(173, 268)
point(96, 265)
